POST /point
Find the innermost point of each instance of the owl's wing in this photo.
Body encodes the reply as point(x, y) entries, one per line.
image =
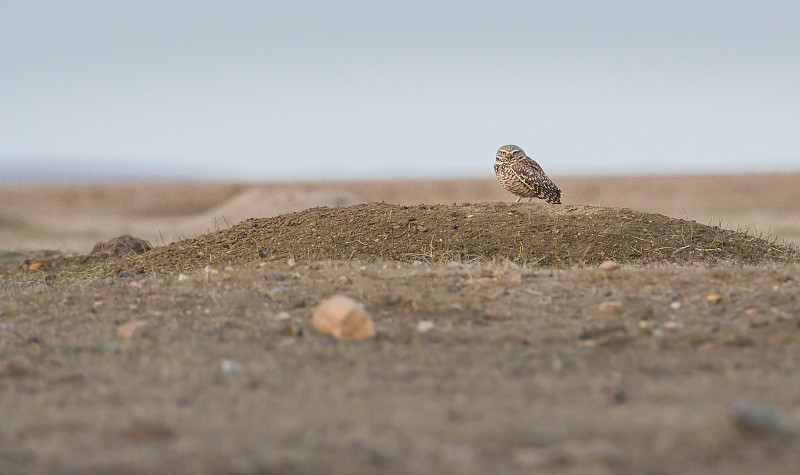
point(533, 177)
point(528, 172)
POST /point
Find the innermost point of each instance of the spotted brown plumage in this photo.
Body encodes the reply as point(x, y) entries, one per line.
point(522, 176)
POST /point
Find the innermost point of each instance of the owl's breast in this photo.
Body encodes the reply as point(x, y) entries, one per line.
point(503, 171)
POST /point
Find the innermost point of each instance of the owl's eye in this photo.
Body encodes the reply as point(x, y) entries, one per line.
point(503, 153)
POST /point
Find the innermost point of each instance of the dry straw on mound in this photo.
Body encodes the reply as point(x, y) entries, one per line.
point(531, 234)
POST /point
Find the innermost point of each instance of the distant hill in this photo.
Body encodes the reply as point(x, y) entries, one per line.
point(47, 169)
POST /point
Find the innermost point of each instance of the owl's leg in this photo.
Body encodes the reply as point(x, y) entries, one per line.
point(518, 199)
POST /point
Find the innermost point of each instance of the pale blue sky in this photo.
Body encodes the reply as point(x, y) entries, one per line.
point(263, 90)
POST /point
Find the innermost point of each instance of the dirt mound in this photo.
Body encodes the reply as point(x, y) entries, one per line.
point(533, 234)
point(117, 247)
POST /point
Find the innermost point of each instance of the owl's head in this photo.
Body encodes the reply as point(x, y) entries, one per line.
point(508, 153)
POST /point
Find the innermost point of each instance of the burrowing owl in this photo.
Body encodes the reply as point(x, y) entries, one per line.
point(522, 176)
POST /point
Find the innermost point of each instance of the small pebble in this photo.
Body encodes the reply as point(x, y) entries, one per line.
point(756, 420)
point(675, 305)
point(283, 316)
point(425, 326)
point(327, 340)
point(230, 366)
point(126, 330)
point(18, 365)
point(643, 313)
point(610, 306)
point(595, 333)
point(182, 277)
point(707, 346)
point(556, 364)
point(293, 329)
point(713, 298)
point(143, 430)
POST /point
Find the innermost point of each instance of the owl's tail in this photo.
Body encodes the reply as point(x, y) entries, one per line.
point(553, 196)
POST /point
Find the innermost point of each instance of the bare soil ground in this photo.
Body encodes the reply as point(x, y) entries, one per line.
point(199, 357)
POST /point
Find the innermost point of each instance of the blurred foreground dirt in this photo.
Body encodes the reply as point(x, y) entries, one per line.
point(477, 368)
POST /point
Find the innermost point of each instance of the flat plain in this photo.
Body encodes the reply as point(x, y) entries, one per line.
point(503, 345)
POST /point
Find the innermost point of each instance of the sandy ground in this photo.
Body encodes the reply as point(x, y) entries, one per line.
point(684, 360)
point(525, 371)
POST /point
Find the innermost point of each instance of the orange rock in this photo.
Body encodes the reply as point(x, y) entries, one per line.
point(707, 346)
point(35, 266)
point(713, 298)
point(610, 306)
point(343, 318)
point(609, 266)
point(126, 330)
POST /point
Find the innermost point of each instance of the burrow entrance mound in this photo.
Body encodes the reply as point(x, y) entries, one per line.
point(48, 260)
point(532, 234)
